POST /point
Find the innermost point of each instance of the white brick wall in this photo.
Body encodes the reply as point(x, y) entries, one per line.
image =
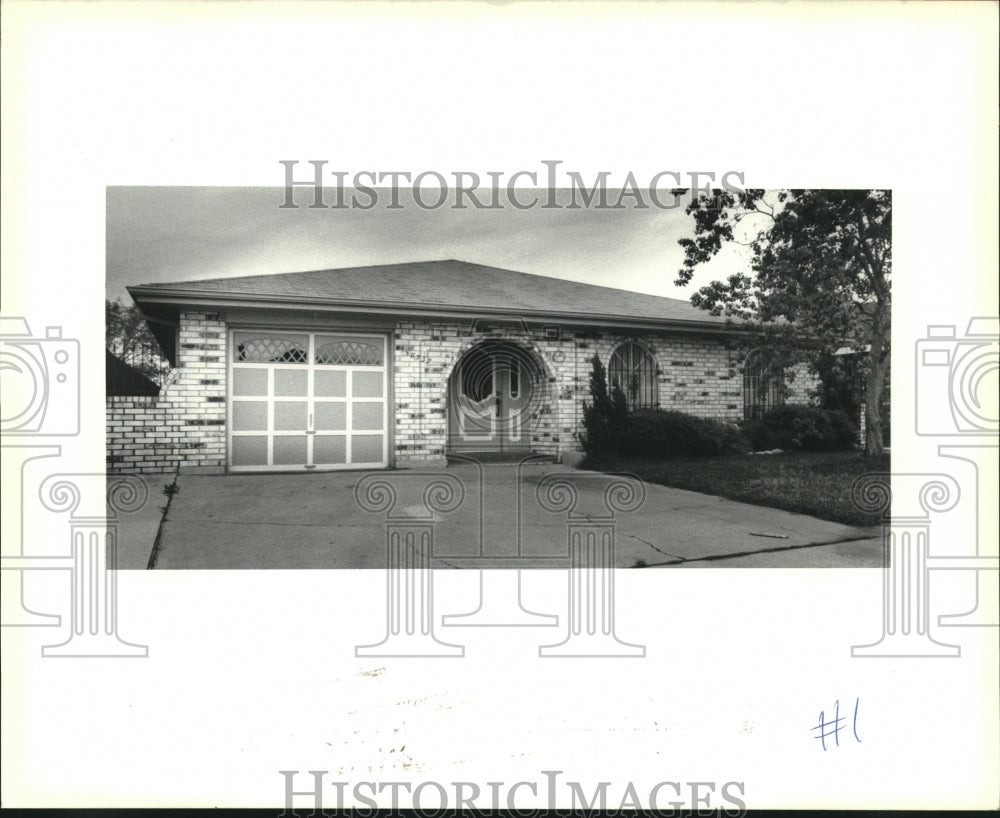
point(185, 425)
point(696, 375)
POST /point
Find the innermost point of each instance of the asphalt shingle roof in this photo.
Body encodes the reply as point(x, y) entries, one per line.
point(451, 284)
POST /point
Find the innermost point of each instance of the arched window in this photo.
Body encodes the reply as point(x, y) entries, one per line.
point(763, 385)
point(632, 368)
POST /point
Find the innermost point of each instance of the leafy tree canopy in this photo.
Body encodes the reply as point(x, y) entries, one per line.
point(819, 277)
point(127, 337)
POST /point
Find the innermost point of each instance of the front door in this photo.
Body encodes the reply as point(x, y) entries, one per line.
point(490, 401)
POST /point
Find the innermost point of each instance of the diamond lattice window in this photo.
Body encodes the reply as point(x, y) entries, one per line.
point(271, 350)
point(349, 353)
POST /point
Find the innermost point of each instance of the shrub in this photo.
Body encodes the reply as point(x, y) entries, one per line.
point(661, 433)
point(802, 428)
point(760, 436)
point(603, 418)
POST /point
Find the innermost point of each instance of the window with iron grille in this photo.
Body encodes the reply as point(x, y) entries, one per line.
point(632, 368)
point(763, 382)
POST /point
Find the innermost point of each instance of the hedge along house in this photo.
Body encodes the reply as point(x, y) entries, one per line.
point(406, 365)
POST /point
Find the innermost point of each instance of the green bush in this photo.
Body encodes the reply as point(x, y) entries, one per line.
point(662, 433)
point(801, 428)
point(603, 418)
point(760, 436)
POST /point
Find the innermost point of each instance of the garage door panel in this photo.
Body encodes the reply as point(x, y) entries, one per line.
point(366, 384)
point(330, 383)
point(291, 383)
point(290, 450)
point(330, 450)
point(291, 416)
point(250, 451)
point(249, 416)
point(307, 400)
point(366, 448)
point(250, 382)
point(330, 416)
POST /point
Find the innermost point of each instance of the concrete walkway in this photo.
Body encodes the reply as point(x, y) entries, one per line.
point(314, 521)
point(137, 529)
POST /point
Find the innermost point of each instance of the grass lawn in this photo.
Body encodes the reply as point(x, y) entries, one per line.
point(807, 483)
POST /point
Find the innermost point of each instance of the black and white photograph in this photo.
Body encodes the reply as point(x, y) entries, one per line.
point(737, 408)
point(373, 375)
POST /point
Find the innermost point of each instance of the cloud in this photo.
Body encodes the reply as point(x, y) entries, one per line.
point(157, 234)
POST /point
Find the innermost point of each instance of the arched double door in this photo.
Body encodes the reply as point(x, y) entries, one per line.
point(491, 398)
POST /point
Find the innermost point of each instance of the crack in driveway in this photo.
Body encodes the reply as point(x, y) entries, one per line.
point(656, 548)
point(271, 522)
point(735, 554)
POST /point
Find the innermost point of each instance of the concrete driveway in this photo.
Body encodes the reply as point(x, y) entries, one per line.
point(498, 521)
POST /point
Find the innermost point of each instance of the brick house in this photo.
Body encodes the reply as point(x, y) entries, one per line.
point(404, 365)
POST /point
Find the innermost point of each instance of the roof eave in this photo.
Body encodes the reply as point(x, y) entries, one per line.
point(182, 297)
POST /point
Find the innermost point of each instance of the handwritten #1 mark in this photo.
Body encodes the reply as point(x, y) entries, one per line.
point(833, 727)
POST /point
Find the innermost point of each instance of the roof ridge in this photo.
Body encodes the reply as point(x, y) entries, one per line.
point(487, 267)
point(299, 272)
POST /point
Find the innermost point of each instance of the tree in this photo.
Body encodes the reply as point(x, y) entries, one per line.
point(603, 417)
point(127, 337)
point(819, 279)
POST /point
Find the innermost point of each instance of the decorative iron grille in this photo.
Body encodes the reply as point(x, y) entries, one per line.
point(633, 370)
point(763, 382)
point(271, 350)
point(349, 353)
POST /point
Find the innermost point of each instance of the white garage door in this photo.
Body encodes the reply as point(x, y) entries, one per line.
point(307, 400)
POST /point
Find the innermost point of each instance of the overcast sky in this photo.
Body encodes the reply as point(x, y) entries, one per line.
point(157, 234)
